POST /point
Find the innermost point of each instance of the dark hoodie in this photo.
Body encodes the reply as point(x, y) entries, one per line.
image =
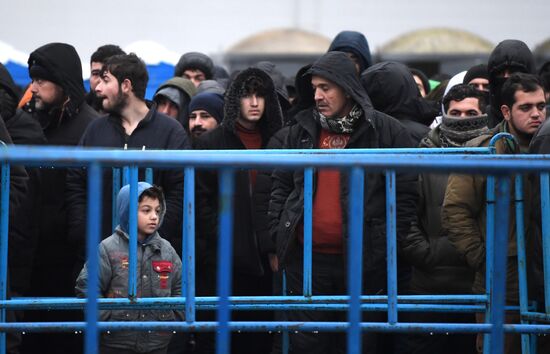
point(510, 54)
point(63, 63)
point(250, 206)
point(353, 42)
point(392, 90)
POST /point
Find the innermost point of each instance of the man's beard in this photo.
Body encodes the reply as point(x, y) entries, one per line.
point(197, 131)
point(118, 104)
point(42, 106)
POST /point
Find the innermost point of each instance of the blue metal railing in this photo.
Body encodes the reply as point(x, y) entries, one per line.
point(375, 160)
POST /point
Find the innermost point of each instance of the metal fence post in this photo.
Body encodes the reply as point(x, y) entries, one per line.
point(225, 249)
point(355, 259)
point(92, 241)
point(4, 229)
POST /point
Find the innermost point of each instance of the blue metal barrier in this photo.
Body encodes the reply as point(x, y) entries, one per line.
point(390, 161)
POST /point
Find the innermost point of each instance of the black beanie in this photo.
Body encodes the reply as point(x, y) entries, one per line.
point(37, 71)
point(477, 71)
point(210, 102)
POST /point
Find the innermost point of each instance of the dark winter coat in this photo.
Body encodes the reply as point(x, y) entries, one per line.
point(250, 233)
point(392, 90)
point(155, 132)
point(23, 129)
point(354, 42)
point(509, 54)
point(375, 130)
point(61, 126)
point(438, 268)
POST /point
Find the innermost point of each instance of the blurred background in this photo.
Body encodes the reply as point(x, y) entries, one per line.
point(434, 36)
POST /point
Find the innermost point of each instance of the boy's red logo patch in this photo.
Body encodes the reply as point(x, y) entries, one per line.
point(164, 268)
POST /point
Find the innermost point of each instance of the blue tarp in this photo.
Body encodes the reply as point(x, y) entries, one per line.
point(157, 75)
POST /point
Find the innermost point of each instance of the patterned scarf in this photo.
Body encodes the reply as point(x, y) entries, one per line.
point(455, 131)
point(343, 125)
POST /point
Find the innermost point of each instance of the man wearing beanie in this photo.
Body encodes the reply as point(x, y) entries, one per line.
point(343, 118)
point(478, 77)
point(196, 67)
point(251, 116)
point(206, 113)
point(508, 57)
point(173, 97)
point(60, 108)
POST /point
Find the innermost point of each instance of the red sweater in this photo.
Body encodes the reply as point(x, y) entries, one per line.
point(327, 205)
point(251, 139)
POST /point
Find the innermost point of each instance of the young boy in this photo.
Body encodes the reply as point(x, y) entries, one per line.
point(159, 273)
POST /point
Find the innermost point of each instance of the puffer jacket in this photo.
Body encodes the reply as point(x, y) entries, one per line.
point(159, 275)
point(464, 217)
point(375, 130)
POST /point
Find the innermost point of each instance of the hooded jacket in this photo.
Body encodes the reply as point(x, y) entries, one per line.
point(392, 90)
point(508, 54)
point(354, 42)
point(159, 275)
point(155, 131)
point(63, 63)
point(195, 60)
point(62, 126)
point(186, 91)
point(248, 231)
point(374, 130)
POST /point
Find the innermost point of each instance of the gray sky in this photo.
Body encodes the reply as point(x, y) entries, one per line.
point(212, 26)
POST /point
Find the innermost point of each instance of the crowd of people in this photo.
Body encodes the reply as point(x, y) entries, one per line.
point(341, 100)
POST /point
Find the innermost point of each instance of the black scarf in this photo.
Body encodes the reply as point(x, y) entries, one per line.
point(343, 125)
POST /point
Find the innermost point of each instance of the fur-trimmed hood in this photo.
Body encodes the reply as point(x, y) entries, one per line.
point(272, 119)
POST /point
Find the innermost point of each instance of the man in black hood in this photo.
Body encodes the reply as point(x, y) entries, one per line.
point(61, 110)
point(355, 45)
point(508, 57)
point(343, 117)
point(392, 90)
point(251, 116)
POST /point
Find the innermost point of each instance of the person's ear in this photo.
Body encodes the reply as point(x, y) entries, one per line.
point(506, 112)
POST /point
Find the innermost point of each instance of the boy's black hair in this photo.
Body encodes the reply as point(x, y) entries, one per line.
point(131, 67)
point(519, 82)
point(105, 52)
point(154, 192)
point(462, 91)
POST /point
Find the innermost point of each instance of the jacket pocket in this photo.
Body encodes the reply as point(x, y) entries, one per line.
point(162, 278)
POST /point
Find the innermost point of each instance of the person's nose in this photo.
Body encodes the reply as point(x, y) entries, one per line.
point(317, 95)
point(254, 101)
